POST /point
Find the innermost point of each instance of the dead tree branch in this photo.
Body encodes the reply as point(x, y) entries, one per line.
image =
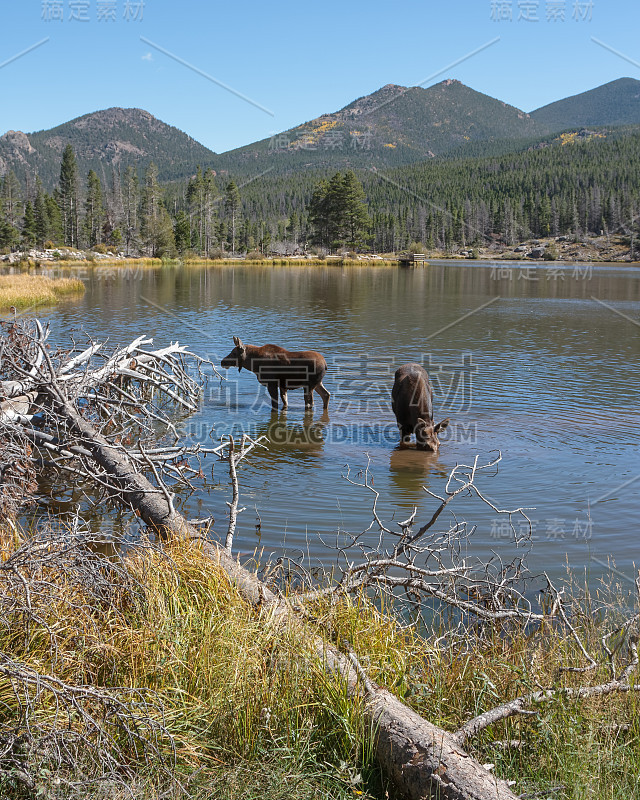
point(107, 419)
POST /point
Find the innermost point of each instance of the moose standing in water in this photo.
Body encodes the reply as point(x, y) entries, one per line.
point(412, 403)
point(279, 369)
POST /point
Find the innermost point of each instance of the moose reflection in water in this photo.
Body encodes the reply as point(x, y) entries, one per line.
point(411, 470)
point(279, 370)
point(412, 403)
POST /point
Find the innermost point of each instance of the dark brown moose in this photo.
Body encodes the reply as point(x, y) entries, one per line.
point(412, 403)
point(279, 370)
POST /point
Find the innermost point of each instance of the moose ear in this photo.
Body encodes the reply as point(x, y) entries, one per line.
point(441, 425)
point(237, 341)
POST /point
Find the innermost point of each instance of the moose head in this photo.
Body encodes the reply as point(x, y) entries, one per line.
point(427, 434)
point(237, 357)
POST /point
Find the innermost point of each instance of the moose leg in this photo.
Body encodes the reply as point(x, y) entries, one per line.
point(283, 395)
point(324, 394)
point(308, 398)
point(273, 391)
point(405, 432)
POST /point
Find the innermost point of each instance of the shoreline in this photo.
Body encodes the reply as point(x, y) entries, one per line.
point(561, 251)
point(117, 265)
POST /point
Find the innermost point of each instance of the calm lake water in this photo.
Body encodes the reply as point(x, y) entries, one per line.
point(523, 359)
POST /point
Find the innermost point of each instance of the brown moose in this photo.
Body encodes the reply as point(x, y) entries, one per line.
point(279, 370)
point(412, 403)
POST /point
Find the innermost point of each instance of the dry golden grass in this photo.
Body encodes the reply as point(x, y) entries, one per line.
point(249, 707)
point(22, 291)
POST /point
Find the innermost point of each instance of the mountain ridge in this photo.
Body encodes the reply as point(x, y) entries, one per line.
point(103, 140)
point(392, 126)
point(614, 103)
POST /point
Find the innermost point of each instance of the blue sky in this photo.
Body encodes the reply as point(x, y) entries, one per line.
point(295, 59)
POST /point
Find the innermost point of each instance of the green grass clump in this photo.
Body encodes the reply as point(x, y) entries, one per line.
point(23, 291)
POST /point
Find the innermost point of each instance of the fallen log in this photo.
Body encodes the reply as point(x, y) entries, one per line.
point(421, 759)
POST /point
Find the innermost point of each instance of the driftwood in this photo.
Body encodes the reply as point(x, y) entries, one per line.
point(96, 417)
point(421, 759)
point(43, 397)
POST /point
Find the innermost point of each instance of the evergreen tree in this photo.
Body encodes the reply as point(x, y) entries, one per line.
point(156, 228)
point(182, 232)
point(11, 199)
point(294, 228)
point(29, 226)
point(355, 220)
point(319, 214)
point(9, 235)
point(338, 213)
point(69, 196)
point(210, 196)
point(113, 210)
point(93, 211)
point(195, 205)
point(232, 206)
point(55, 229)
point(130, 208)
point(41, 215)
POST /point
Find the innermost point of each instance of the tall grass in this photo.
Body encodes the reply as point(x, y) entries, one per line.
point(248, 711)
point(23, 291)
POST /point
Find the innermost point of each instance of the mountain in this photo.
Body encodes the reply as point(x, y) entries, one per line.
point(615, 103)
point(394, 125)
point(114, 137)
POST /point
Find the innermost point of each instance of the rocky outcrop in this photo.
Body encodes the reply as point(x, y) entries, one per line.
point(18, 140)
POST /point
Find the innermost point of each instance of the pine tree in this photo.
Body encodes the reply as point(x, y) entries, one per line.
point(93, 211)
point(209, 206)
point(319, 215)
point(9, 234)
point(232, 206)
point(182, 232)
point(11, 199)
point(195, 205)
point(338, 213)
point(130, 208)
point(41, 215)
point(69, 196)
point(55, 230)
point(113, 210)
point(156, 227)
point(355, 221)
point(29, 226)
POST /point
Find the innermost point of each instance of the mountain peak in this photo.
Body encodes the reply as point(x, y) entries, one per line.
point(111, 138)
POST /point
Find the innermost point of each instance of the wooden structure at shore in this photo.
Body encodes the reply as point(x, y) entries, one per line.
point(413, 260)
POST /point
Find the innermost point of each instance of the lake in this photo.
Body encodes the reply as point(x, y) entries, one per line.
point(538, 362)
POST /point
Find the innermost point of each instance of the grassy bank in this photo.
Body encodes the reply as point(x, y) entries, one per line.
point(24, 291)
point(217, 262)
point(234, 704)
